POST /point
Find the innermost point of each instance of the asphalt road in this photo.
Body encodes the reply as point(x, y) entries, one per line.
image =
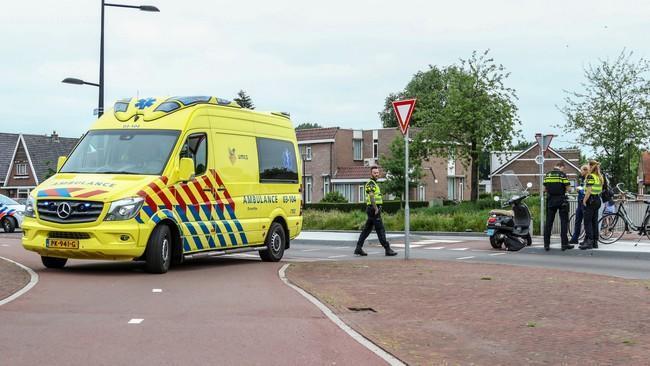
point(621, 259)
point(224, 311)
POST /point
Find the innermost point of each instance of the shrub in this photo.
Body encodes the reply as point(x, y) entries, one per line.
point(334, 197)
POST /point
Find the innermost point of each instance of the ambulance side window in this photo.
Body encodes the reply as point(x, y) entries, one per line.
point(196, 148)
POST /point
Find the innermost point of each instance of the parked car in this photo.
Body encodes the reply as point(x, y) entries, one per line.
point(11, 214)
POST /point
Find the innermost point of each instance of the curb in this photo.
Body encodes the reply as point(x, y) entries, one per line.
point(32, 282)
point(596, 253)
point(380, 352)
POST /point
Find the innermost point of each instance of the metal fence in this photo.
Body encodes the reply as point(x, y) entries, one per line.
point(635, 210)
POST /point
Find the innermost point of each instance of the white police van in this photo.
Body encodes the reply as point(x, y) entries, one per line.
point(11, 214)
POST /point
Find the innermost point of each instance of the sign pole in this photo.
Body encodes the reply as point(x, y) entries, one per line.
point(407, 249)
point(544, 141)
point(403, 111)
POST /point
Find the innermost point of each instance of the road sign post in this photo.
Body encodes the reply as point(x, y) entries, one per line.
point(543, 141)
point(403, 111)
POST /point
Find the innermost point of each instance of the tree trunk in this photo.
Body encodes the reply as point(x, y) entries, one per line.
point(474, 171)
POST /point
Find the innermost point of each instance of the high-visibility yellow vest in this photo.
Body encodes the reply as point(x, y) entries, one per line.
point(373, 187)
point(595, 183)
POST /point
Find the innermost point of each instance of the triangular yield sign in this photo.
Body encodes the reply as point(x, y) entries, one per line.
point(403, 111)
point(544, 141)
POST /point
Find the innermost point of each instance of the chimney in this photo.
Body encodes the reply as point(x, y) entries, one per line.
point(54, 137)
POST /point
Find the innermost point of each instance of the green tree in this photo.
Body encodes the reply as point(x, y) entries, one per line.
point(462, 110)
point(244, 100)
point(306, 125)
point(393, 165)
point(612, 114)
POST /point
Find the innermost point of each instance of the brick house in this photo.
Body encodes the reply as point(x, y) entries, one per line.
point(523, 164)
point(27, 160)
point(337, 159)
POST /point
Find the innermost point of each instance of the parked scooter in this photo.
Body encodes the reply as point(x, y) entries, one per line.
point(511, 228)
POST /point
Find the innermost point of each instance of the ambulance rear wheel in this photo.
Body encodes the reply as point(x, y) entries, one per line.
point(9, 224)
point(53, 262)
point(275, 243)
point(159, 252)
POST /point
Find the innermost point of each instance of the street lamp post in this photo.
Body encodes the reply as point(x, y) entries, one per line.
point(100, 85)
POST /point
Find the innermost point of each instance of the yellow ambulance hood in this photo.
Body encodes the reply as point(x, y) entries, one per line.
point(93, 187)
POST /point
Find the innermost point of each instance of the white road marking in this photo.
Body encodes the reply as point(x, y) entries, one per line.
point(497, 253)
point(5, 245)
point(136, 321)
point(337, 256)
point(466, 257)
point(341, 248)
point(33, 279)
point(404, 245)
point(434, 241)
point(390, 359)
point(458, 248)
point(310, 250)
point(435, 248)
point(156, 290)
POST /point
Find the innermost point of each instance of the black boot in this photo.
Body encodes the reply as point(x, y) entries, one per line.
point(359, 251)
point(595, 244)
point(547, 247)
point(587, 244)
point(390, 252)
point(567, 247)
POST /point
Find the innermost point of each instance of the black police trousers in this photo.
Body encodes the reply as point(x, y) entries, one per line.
point(373, 221)
point(591, 219)
point(554, 205)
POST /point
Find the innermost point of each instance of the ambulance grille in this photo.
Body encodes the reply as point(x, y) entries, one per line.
point(69, 212)
point(67, 235)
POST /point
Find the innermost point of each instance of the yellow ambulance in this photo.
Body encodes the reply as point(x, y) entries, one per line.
point(168, 179)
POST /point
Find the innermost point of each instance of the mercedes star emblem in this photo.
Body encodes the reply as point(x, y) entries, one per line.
point(64, 210)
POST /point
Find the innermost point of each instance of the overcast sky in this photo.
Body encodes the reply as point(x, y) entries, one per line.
point(330, 62)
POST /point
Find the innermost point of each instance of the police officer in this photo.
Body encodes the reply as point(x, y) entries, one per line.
point(556, 185)
point(593, 188)
point(373, 210)
point(580, 209)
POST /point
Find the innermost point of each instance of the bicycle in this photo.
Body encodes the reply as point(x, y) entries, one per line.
point(614, 225)
point(572, 222)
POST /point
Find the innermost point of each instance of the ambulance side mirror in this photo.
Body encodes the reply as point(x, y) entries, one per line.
point(186, 169)
point(60, 162)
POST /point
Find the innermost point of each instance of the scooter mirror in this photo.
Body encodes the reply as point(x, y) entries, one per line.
point(529, 184)
point(497, 198)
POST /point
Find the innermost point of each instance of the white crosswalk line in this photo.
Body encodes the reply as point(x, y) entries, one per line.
point(336, 256)
point(310, 250)
point(437, 241)
point(498, 254)
point(412, 245)
point(435, 248)
point(458, 248)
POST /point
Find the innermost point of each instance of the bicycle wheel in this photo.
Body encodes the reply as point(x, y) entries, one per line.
point(646, 225)
point(572, 225)
point(612, 228)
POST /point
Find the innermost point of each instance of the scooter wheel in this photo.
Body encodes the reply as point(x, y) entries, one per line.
point(496, 244)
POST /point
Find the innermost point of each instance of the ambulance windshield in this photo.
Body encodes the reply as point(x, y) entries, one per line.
point(143, 152)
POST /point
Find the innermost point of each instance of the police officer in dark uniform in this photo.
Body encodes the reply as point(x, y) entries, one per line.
point(374, 201)
point(556, 185)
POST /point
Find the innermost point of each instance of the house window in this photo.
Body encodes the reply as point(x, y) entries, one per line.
point(23, 192)
point(345, 190)
point(375, 149)
point(422, 193)
point(308, 190)
point(326, 185)
point(357, 146)
point(362, 193)
point(21, 169)
point(305, 152)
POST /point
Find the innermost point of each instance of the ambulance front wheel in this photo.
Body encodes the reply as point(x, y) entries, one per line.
point(275, 243)
point(158, 254)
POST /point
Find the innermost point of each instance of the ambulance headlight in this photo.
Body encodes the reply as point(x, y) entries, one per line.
point(29, 207)
point(124, 209)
